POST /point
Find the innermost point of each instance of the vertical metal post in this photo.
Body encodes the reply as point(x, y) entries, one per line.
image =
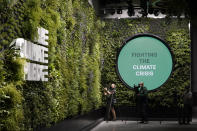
point(193, 32)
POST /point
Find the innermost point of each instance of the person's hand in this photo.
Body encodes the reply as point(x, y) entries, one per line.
point(105, 91)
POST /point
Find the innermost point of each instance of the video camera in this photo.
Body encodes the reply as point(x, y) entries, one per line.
point(136, 88)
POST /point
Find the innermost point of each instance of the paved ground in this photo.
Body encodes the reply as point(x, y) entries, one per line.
point(80, 123)
point(151, 126)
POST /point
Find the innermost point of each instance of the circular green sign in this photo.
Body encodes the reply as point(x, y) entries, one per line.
point(144, 58)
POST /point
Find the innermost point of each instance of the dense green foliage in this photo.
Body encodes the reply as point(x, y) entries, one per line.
point(174, 32)
point(11, 110)
point(74, 63)
point(82, 55)
point(114, 34)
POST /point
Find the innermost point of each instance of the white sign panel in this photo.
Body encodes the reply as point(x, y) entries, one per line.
point(35, 72)
point(30, 50)
point(36, 53)
point(42, 36)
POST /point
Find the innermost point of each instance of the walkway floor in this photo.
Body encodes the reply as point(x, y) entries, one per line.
point(151, 126)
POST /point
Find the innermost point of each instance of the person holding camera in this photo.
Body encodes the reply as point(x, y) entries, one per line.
point(141, 101)
point(111, 100)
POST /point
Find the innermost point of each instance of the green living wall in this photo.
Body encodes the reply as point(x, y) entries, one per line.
point(174, 31)
point(74, 63)
point(82, 55)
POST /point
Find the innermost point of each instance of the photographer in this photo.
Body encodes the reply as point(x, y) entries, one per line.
point(141, 102)
point(111, 100)
point(137, 99)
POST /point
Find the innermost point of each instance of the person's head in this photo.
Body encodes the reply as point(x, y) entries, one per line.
point(141, 84)
point(113, 86)
point(188, 89)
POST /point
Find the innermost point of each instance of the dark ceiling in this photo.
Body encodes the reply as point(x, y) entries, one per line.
point(168, 7)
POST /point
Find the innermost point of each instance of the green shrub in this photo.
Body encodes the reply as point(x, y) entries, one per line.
point(11, 109)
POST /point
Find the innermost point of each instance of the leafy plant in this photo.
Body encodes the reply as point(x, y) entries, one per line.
point(11, 109)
